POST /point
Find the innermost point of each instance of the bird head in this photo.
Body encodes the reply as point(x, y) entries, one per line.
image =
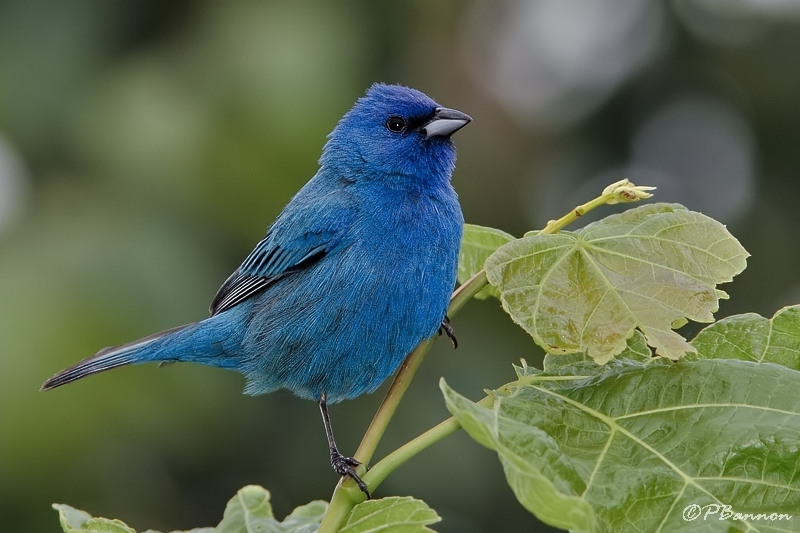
point(395, 133)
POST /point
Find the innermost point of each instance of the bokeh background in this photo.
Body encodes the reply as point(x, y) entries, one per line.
point(145, 146)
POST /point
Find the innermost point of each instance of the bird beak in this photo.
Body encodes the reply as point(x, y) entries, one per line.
point(445, 122)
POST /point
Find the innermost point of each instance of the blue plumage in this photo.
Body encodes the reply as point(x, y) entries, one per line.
point(352, 275)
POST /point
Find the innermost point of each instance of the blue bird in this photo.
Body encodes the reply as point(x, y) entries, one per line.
point(355, 272)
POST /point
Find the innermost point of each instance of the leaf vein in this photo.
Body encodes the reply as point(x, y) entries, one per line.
point(614, 426)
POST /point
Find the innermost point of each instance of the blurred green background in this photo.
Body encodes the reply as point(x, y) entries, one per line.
point(145, 146)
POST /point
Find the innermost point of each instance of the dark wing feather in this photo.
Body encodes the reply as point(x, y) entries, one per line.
point(315, 222)
point(267, 263)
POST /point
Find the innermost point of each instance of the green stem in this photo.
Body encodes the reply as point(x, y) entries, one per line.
point(391, 462)
point(390, 402)
point(343, 500)
point(554, 226)
point(403, 377)
point(622, 191)
point(346, 495)
point(466, 291)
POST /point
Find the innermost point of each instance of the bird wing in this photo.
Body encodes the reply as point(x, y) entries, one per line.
point(293, 243)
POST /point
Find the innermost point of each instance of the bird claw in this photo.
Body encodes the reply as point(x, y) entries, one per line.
point(448, 330)
point(346, 466)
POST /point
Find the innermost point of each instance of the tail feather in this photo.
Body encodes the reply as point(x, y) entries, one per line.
point(108, 358)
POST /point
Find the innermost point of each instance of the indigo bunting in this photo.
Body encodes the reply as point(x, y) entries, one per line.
point(355, 272)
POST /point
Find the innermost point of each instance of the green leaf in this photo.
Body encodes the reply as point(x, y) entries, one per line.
point(391, 515)
point(544, 482)
point(305, 518)
point(478, 243)
point(632, 446)
point(650, 268)
point(77, 521)
point(250, 511)
point(636, 349)
point(752, 337)
point(72, 520)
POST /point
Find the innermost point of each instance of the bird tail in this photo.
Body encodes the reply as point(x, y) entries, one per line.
point(143, 350)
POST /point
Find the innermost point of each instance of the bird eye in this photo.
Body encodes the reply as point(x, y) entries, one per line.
point(396, 124)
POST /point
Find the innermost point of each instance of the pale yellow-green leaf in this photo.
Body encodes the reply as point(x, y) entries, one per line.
point(651, 268)
point(752, 337)
point(394, 514)
point(249, 511)
point(77, 521)
point(478, 243)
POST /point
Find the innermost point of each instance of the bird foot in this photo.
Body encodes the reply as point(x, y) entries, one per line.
point(346, 466)
point(448, 330)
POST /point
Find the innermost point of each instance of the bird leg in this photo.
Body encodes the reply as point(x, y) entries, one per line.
point(449, 331)
point(343, 465)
